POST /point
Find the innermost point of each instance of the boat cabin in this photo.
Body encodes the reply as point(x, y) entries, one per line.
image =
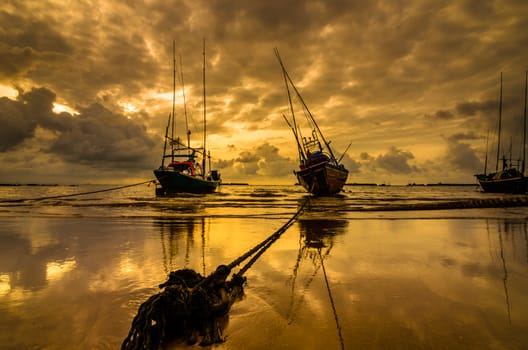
point(314, 158)
point(187, 167)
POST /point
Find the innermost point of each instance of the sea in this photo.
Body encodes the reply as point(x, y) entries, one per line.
point(76, 263)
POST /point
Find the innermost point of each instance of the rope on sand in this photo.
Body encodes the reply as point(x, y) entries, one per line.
point(192, 306)
point(74, 194)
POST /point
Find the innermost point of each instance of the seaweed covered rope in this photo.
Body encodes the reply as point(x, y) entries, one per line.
point(191, 306)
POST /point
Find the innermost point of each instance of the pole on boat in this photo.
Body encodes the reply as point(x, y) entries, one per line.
point(294, 128)
point(524, 126)
point(165, 143)
point(486, 158)
point(299, 147)
point(173, 94)
point(312, 119)
point(204, 113)
point(185, 106)
point(346, 149)
point(500, 121)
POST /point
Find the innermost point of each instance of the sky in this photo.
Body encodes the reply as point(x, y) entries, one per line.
point(413, 86)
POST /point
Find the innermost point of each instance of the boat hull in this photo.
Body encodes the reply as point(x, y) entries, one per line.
point(173, 182)
point(512, 185)
point(323, 179)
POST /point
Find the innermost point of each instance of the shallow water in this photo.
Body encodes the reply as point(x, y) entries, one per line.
point(74, 270)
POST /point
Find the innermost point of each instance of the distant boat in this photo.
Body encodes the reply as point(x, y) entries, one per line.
point(511, 178)
point(184, 173)
point(320, 172)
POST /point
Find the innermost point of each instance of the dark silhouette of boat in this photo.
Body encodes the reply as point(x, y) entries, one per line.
point(320, 172)
point(184, 173)
point(511, 178)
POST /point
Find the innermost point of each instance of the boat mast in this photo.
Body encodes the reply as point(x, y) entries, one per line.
point(173, 96)
point(500, 117)
point(294, 128)
point(204, 113)
point(299, 147)
point(524, 125)
point(486, 158)
point(327, 144)
point(185, 106)
point(165, 143)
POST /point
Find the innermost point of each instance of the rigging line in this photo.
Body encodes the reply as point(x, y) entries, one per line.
point(295, 305)
point(327, 144)
point(505, 277)
point(204, 117)
point(499, 129)
point(165, 143)
point(164, 254)
point(332, 302)
point(340, 158)
point(524, 124)
point(297, 131)
point(299, 147)
point(306, 286)
point(173, 93)
point(75, 194)
point(294, 277)
point(203, 245)
point(185, 106)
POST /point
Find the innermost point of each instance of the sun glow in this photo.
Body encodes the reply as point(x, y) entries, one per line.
point(128, 107)
point(6, 91)
point(59, 108)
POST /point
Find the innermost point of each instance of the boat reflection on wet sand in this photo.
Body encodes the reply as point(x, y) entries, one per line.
point(74, 271)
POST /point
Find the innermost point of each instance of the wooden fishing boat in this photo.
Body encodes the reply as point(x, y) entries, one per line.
point(320, 172)
point(184, 173)
point(511, 178)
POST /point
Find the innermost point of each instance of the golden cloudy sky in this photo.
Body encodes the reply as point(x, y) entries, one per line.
point(86, 86)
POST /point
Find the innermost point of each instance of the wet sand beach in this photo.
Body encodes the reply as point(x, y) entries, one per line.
point(74, 271)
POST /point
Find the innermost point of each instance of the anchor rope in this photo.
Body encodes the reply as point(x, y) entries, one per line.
point(190, 302)
point(257, 251)
point(74, 194)
point(265, 244)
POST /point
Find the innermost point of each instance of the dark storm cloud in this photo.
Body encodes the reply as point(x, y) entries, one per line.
point(365, 156)
point(461, 155)
point(35, 30)
point(353, 166)
point(443, 114)
point(15, 126)
point(472, 108)
point(263, 160)
point(100, 136)
point(356, 63)
point(96, 135)
point(79, 58)
point(14, 61)
point(396, 161)
point(464, 137)
point(27, 40)
point(20, 118)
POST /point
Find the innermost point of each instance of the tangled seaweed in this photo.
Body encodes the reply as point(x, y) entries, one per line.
point(190, 306)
